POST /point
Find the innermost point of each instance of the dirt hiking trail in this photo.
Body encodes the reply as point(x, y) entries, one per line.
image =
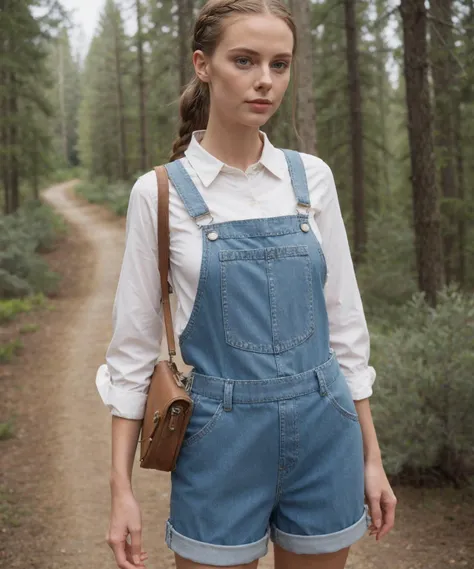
point(58, 463)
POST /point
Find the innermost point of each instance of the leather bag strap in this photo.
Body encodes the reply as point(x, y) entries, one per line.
point(164, 252)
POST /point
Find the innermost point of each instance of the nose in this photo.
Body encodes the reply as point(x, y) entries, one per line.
point(264, 81)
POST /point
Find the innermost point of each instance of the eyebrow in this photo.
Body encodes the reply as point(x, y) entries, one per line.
point(253, 52)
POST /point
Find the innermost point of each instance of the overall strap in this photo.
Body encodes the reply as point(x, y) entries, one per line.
point(192, 199)
point(298, 177)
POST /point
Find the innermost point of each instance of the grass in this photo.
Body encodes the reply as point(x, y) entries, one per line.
point(10, 349)
point(9, 309)
point(29, 328)
point(6, 431)
point(10, 513)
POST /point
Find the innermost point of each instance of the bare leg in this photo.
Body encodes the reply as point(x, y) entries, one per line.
point(182, 563)
point(286, 560)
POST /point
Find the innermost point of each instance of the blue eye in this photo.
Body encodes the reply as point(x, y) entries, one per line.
point(281, 65)
point(242, 61)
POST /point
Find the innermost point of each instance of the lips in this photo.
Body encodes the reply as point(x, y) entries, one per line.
point(260, 102)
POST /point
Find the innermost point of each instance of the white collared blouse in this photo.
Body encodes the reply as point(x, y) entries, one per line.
point(264, 190)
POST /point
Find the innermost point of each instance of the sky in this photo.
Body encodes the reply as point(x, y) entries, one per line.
point(85, 16)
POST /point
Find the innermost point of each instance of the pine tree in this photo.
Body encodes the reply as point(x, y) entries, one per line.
point(357, 138)
point(425, 197)
point(24, 137)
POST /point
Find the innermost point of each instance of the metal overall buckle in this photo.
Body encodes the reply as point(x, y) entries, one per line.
point(188, 382)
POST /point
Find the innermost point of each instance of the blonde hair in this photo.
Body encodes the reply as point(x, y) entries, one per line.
point(194, 103)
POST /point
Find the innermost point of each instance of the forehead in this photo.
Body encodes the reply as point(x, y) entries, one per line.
point(263, 33)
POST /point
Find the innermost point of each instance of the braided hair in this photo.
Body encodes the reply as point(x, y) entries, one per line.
point(195, 101)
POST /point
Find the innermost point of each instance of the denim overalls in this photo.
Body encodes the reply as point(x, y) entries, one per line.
point(274, 446)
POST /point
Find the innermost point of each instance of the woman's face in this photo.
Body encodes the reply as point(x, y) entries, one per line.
point(249, 71)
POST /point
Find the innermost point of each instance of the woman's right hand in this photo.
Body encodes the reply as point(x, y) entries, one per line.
point(125, 520)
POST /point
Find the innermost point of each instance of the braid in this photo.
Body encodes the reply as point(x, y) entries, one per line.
point(194, 113)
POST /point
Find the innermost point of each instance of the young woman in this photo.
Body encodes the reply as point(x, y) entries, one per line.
point(281, 444)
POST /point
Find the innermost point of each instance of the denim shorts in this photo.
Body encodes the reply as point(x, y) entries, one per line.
point(279, 459)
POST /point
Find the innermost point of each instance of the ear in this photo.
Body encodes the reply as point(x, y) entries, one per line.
point(201, 64)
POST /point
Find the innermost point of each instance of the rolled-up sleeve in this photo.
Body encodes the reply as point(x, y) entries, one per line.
point(134, 349)
point(349, 335)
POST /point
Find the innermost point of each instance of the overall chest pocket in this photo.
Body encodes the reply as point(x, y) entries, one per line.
point(267, 298)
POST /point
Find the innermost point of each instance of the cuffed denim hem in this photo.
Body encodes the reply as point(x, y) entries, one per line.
point(219, 555)
point(315, 544)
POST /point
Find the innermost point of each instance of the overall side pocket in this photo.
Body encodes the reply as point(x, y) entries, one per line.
point(338, 394)
point(206, 414)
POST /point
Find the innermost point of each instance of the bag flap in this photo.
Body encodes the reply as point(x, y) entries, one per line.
point(164, 391)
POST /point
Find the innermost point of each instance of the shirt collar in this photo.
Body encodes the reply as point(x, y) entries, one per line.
point(208, 167)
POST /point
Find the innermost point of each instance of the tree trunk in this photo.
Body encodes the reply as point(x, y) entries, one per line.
point(34, 174)
point(141, 90)
point(384, 180)
point(464, 97)
point(306, 112)
point(442, 46)
point(458, 148)
point(62, 103)
point(4, 145)
point(13, 143)
point(185, 20)
point(425, 197)
point(355, 105)
point(120, 107)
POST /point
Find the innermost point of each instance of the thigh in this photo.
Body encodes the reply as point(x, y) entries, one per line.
point(287, 560)
point(182, 563)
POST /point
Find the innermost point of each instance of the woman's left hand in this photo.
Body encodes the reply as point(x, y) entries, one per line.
point(380, 499)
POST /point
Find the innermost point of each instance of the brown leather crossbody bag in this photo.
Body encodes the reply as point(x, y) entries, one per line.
point(169, 406)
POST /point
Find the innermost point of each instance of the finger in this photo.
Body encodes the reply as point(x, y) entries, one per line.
point(375, 512)
point(388, 507)
point(136, 545)
point(143, 556)
point(120, 555)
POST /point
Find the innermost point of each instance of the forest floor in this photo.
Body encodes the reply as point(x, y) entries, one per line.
point(54, 494)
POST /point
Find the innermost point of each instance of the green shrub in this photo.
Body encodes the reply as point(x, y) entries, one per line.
point(115, 195)
point(6, 431)
point(118, 195)
point(10, 308)
point(42, 223)
point(29, 328)
point(387, 278)
point(33, 229)
point(93, 191)
point(64, 174)
point(424, 394)
point(10, 349)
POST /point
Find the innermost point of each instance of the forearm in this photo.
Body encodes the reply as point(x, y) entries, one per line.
point(371, 445)
point(125, 433)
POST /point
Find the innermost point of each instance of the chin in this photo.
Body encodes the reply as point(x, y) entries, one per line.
point(256, 120)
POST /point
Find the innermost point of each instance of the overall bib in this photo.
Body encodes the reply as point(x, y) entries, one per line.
point(274, 446)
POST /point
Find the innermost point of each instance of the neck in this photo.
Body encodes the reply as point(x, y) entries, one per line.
point(239, 146)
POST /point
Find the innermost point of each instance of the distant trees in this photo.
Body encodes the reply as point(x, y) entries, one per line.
point(25, 107)
point(364, 104)
point(306, 111)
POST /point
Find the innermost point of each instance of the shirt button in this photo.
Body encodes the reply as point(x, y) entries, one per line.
point(212, 236)
point(305, 227)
